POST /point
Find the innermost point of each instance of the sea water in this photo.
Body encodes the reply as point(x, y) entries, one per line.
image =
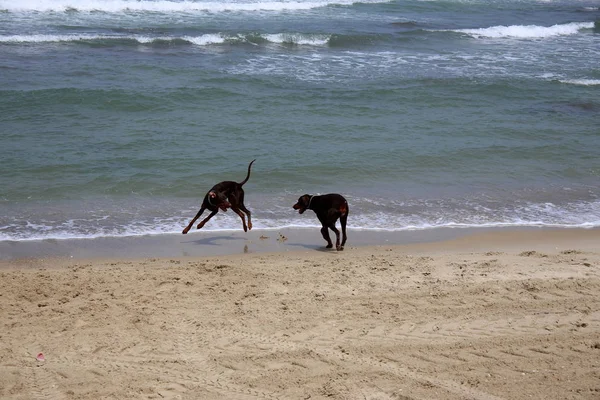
point(117, 116)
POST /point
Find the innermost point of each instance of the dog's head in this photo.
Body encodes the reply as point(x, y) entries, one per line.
point(303, 203)
point(218, 199)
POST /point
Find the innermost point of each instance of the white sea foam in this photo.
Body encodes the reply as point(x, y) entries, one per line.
point(72, 38)
point(202, 40)
point(53, 234)
point(528, 31)
point(583, 82)
point(292, 38)
point(164, 6)
point(385, 217)
point(205, 40)
point(43, 38)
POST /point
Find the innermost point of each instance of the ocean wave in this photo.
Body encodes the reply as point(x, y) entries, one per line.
point(301, 39)
point(527, 31)
point(51, 38)
point(583, 82)
point(201, 40)
point(164, 6)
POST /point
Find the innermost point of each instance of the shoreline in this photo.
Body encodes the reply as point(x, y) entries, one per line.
point(286, 240)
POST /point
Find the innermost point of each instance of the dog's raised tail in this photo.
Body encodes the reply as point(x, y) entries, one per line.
point(247, 176)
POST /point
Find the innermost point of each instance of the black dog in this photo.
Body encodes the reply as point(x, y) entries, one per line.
point(328, 207)
point(224, 195)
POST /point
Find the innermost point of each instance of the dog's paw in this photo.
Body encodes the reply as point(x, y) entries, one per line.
point(329, 246)
point(340, 248)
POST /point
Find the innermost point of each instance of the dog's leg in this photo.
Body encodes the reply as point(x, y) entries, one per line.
point(248, 214)
point(187, 228)
point(238, 199)
point(205, 220)
point(325, 233)
point(343, 220)
point(337, 236)
point(241, 214)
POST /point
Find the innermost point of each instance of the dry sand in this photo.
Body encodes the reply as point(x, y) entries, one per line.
point(499, 316)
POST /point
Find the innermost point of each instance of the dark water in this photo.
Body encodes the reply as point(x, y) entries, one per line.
point(117, 116)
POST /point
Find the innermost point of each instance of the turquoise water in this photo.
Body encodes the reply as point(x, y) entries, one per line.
point(117, 116)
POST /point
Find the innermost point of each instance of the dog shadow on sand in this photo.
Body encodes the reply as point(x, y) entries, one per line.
point(311, 247)
point(212, 241)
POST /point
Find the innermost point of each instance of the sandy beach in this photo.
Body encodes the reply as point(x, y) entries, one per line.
point(496, 315)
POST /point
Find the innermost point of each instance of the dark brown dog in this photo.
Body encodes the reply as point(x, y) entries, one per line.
point(224, 195)
point(328, 207)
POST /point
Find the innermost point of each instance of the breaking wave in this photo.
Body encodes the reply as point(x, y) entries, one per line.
point(201, 40)
point(527, 31)
point(164, 6)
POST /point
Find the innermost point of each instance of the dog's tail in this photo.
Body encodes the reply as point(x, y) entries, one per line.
point(247, 176)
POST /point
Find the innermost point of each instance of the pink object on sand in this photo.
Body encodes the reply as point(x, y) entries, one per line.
point(40, 357)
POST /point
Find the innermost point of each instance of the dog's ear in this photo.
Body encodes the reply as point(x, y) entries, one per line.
point(212, 195)
point(306, 199)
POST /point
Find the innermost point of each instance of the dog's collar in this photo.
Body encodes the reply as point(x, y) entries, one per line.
point(209, 202)
point(310, 201)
